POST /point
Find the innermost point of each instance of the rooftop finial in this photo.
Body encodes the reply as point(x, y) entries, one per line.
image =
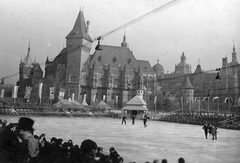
point(157, 60)
point(198, 61)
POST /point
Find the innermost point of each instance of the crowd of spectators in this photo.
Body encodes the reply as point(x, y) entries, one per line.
point(222, 121)
point(55, 150)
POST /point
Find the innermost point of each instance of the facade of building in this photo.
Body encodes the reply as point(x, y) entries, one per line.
point(113, 74)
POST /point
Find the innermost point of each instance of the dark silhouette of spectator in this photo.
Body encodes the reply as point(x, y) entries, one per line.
point(28, 146)
point(88, 150)
point(164, 161)
point(156, 161)
point(181, 160)
point(114, 156)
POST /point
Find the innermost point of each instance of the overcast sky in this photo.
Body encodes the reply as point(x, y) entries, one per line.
point(203, 29)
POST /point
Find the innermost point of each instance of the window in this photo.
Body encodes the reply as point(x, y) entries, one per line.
point(72, 78)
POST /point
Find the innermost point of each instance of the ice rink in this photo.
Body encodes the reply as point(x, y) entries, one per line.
point(159, 140)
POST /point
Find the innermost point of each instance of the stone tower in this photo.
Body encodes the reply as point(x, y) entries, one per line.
point(79, 44)
point(25, 68)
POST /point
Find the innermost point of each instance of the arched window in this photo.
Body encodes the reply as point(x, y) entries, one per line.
point(72, 78)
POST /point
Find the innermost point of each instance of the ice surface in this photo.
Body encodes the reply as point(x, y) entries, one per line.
point(159, 140)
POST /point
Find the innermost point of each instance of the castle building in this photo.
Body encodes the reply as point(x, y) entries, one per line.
point(111, 74)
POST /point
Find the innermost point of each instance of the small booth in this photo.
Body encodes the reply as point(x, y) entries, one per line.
point(136, 106)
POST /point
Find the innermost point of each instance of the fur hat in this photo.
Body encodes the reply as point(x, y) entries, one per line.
point(25, 123)
point(87, 146)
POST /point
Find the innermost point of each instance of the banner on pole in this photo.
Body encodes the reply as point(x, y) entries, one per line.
point(61, 93)
point(94, 98)
point(28, 92)
point(2, 93)
point(73, 96)
point(116, 99)
point(155, 99)
point(40, 90)
point(104, 97)
point(52, 92)
point(15, 91)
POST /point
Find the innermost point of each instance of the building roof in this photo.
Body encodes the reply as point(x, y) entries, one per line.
point(131, 107)
point(79, 29)
point(117, 57)
point(136, 100)
point(183, 67)
point(198, 69)
point(146, 67)
point(158, 69)
point(187, 84)
point(61, 57)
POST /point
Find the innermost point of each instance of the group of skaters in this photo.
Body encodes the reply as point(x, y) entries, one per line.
point(200, 119)
point(210, 129)
point(145, 118)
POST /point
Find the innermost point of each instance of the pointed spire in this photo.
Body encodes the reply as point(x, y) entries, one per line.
point(124, 43)
point(187, 84)
point(28, 59)
point(79, 29)
point(234, 54)
point(47, 61)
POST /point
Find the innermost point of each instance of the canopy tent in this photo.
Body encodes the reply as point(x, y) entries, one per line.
point(67, 104)
point(101, 105)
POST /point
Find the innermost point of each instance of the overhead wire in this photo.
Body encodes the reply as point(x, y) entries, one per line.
point(161, 8)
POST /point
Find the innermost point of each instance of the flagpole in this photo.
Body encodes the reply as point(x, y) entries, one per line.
point(208, 105)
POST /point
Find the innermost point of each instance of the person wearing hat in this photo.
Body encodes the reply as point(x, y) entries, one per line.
point(114, 156)
point(88, 150)
point(29, 147)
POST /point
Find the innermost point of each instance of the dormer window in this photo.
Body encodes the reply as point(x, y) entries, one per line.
point(99, 58)
point(129, 61)
point(114, 59)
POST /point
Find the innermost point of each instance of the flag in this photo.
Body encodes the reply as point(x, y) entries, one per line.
point(182, 100)
point(155, 99)
point(94, 98)
point(61, 93)
point(215, 98)
point(205, 98)
point(40, 90)
point(196, 98)
point(104, 97)
point(2, 93)
point(116, 99)
point(239, 101)
point(84, 100)
point(15, 91)
point(28, 92)
point(52, 92)
point(73, 96)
